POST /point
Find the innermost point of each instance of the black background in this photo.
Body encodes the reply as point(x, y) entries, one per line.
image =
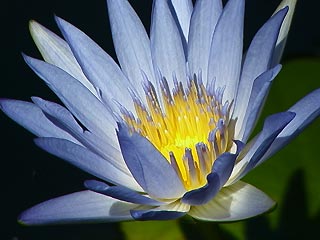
point(29, 175)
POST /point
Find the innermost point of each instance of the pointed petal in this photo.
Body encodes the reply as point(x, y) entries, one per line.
point(147, 165)
point(101, 146)
point(221, 171)
point(283, 35)
point(273, 125)
point(258, 95)
point(97, 65)
point(131, 43)
point(236, 202)
point(79, 207)
point(306, 110)
point(257, 61)
point(223, 166)
point(203, 22)
point(97, 144)
point(56, 51)
point(165, 212)
point(85, 160)
point(99, 120)
point(59, 115)
point(183, 10)
point(29, 116)
point(226, 49)
point(204, 194)
point(120, 192)
point(166, 45)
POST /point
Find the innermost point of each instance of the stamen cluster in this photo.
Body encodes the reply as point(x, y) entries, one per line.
point(190, 127)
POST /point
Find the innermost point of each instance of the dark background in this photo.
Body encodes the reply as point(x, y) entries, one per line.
point(29, 175)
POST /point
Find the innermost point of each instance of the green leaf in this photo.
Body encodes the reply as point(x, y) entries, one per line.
point(155, 230)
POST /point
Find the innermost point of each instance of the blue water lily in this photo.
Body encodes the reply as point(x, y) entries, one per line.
point(168, 132)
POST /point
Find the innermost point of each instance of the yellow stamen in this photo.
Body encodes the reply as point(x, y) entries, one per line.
point(185, 120)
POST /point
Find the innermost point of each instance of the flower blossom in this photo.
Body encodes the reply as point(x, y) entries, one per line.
point(166, 133)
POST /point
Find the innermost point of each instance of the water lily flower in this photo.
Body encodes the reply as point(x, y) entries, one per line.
point(168, 132)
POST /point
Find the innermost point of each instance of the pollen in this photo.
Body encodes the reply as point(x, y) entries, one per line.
point(189, 126)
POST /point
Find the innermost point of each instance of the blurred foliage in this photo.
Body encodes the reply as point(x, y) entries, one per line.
point(152, 230)
point(291, 177)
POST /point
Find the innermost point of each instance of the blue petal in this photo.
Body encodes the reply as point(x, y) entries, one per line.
point(258, 60)
point(99, 121)
point(273, 125)
point(221, 171)
point(204, 194)
point(98, 144)
point(203, 22)
point(97, 65)
point(226, 49)
point(145, 215)
point(101, 146)
point(282, 38)
point(306, 110)
point(121, 193)
point(85, 160)
point(33, 119)
point(166, 45)
point(260, 89)
point(131, 43)
point(56, 51)
point(223, 166)
point(59, 115)
point(240, 145)
point(183, 11)
point(79, 207)
point(147, 165)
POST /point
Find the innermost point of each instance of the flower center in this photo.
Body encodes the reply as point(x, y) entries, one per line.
point(189, 128)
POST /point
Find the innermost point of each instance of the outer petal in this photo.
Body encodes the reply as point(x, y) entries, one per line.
point(98, 144)
point(226, 49)
point(306, 110)
point(87, 161)
point(33, 119)
point(257, 61)
point(203, 22)
point(255, 149)
point(183, 11)
point(102, 146)
point(165, 212)
point(97, 65)
point(79, 207)
point(282, 38)
point(258, 95)
point(147, 165)
point(166, 45)
point(236, 202)
point(65, 86)
point(121, 193)
point(131, 43)
point(56, 51)
point(59, 115)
